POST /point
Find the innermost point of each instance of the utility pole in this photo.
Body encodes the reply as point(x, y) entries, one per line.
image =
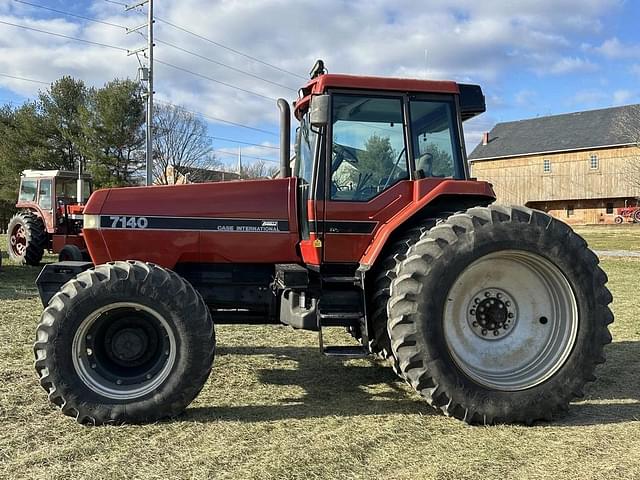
point(148, 75)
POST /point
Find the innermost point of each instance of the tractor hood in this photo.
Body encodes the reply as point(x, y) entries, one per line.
point(208, 222)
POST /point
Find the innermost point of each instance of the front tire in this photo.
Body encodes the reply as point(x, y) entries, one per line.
point(27, 238)
point(124, 342)
point(499, 315)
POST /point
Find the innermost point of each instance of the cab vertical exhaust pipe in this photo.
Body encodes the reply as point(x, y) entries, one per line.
point(285, 138)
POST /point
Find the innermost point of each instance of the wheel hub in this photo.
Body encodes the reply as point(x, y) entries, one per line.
point(129, 344)
point(492, 313)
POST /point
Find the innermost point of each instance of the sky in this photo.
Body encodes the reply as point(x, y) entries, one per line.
point(531, 57)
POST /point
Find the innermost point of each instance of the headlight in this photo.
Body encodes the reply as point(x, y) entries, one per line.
point(91, 221)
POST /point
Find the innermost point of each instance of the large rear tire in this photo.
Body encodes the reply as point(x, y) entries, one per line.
point(499, 315)
point(124, 342)
point(27, 238)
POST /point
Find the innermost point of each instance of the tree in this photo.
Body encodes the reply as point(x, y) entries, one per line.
point(259, 169)
point(60, 108)
point(628, 124)
point(179, 144)
point(23, 145)
point(113, 136)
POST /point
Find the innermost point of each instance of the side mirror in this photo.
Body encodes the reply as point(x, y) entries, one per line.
point(319, 110)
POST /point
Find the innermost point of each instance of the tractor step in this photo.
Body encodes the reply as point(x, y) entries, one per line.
point(338, 319)
point(346, 351)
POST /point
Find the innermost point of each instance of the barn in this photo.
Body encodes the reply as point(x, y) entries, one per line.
point(580, 167)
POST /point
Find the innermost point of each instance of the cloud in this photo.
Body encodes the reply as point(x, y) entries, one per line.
point(571, 65)
point(524, 98)
point(464, 40)
point(622, 96)
point(615, 49)
point(587, 98)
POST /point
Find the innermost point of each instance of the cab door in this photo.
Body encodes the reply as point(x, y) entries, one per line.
point(368, 172)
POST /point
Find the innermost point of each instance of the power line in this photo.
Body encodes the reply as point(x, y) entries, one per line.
point(231, 140)
point(224, 65)
point(158, 41)
point(105, 45)
point(24, 79)
point(217, 119)
point(237, 52)
point(235, 124)
point(166, 131)
point(116, 3)
point(69, 14)
point(235, 154)
point(211, 79)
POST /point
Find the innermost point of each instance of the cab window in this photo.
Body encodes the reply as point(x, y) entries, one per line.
point(368, 147)
point(434, 140)
point(44, 194)
point(28, 190)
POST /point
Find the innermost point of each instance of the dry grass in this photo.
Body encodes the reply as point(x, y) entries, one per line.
point(275, 409)
point(612, 237)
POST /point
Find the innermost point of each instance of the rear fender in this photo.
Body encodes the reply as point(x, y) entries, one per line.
point(447, 196)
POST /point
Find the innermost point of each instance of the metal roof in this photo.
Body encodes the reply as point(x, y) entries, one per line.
point(53, 173)
point(590, 129)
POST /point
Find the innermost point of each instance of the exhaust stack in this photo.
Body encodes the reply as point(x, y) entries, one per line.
point(285, 138)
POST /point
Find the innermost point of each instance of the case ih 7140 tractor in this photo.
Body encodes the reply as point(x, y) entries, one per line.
point(491, 313)
point(50, 216)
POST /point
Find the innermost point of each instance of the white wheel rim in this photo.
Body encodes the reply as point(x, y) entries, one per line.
point(531, 338)
point(84, 364)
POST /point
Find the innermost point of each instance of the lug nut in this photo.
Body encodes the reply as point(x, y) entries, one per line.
point(487, 294)
point(89, 352)
point(475, 324)
point(507, 303)
point(476, 301)
point(472, 311)
point(484, 331)
point(499, 295)
point(510, 315)
point(119, 382)
point(496, 333)
point(148, 376)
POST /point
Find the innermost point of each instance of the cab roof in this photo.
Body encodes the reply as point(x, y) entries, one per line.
point(53, 173)
point(321, 83)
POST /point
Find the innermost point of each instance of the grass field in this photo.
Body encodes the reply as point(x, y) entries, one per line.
point(275, 409)
point(612, 237)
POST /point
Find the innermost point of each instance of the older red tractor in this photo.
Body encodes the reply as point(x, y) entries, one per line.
point(50, 207)
point(491, 313)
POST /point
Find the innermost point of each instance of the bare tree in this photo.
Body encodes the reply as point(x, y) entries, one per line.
point(259, 169)
point(628, 125)
point(181, 148)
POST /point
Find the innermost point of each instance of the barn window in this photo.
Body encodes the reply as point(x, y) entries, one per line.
point(569, 210)
point(593, 161)
point(609, 208)
point(546, 165)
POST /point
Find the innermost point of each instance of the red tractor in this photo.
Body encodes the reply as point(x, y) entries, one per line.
point(50, 217)
point(491, 313)
point(627, 215)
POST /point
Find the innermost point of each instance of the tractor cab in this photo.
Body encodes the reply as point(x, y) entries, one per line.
point(57, 196)
point(51, 204)
point(369, 147)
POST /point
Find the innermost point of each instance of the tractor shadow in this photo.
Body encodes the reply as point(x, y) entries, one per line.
point(334, 388)
point(615, 396)
point(331, 387)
